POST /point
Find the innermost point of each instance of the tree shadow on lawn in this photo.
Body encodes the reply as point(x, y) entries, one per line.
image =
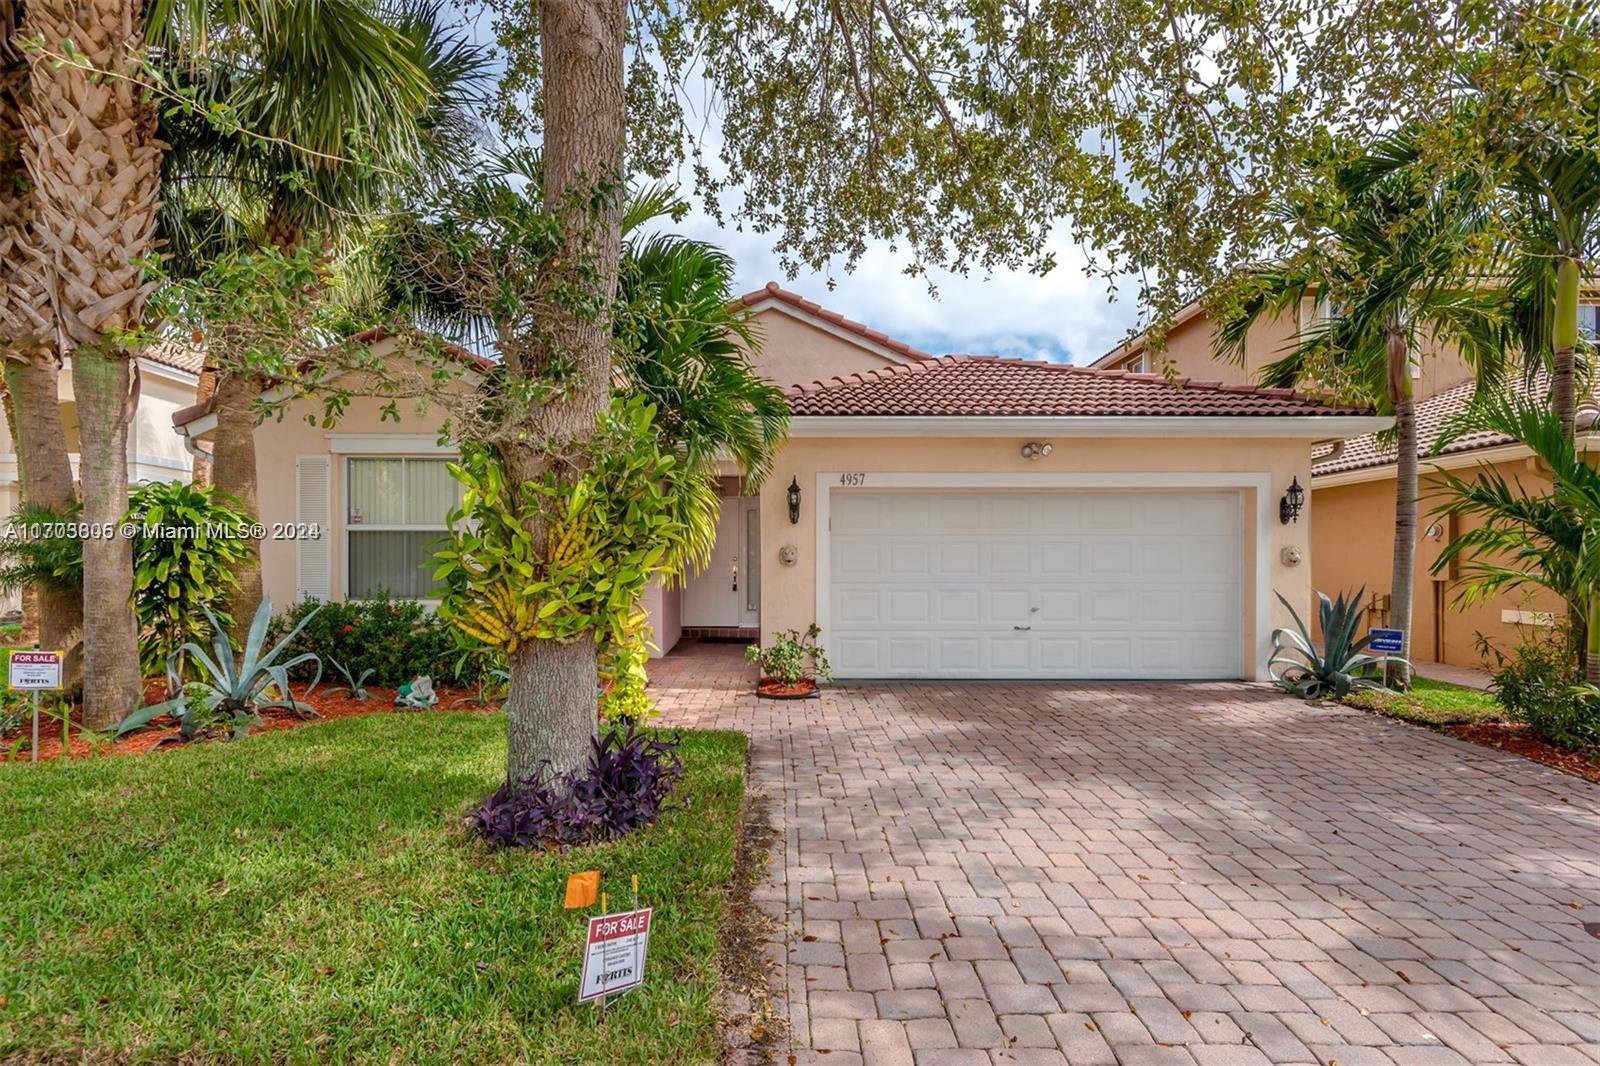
point(314, 889)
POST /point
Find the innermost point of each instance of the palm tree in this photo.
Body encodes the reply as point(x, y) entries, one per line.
point(1550, 177)
point(95, 162)
point(31, 364)
point(340, 105)
point(1521, 539)
point(1387, 262)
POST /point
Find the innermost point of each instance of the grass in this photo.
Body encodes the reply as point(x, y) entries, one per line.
point(1435, 703)
point(309, 895)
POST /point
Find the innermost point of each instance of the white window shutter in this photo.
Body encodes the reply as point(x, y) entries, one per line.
point(313, 565)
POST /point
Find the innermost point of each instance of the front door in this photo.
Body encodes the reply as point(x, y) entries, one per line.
point(727, 593)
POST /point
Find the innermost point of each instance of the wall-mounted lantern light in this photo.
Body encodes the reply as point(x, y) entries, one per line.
point(1293, 500)
point(1036, 449)
point(794, 500)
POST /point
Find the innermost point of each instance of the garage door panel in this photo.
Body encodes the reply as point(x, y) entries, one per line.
point(1102, 584)
point(1010, 606)
point(910, 559)
point(960, 559)
point(960, 606)
point(909, 607)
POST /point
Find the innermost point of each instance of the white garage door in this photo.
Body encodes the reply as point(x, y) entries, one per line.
point(1042, 584)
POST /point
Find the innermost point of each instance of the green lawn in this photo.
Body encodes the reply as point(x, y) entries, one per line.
point(310, 894)
point(1430, 703)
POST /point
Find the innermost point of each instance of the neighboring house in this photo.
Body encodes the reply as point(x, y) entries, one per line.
point(167, 378)
point(951, 517)
point(1352, 490)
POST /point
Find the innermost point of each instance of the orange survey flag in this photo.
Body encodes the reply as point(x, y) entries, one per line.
point(582, 889)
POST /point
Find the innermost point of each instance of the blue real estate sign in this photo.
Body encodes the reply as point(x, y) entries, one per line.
point(1387, 641)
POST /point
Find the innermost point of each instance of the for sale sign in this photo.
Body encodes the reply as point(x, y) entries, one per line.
point(613, 959)
point(35, 669)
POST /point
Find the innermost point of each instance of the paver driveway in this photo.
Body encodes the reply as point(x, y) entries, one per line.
point(1143, 874)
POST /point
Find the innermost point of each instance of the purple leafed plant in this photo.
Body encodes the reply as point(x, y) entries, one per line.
point(630, 776)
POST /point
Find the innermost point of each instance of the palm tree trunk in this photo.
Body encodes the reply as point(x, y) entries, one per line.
point(46, 480)
point(233, 471)
point(1405, 496)
point(95, 162)
point(1564, 339)
point(552, 705)
point(111, 684)
point(1591, 639)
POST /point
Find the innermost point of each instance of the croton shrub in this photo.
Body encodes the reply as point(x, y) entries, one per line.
point(395, 639)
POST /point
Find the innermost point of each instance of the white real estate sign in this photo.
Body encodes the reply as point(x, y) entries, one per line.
point(35, 670)
point(614, 954)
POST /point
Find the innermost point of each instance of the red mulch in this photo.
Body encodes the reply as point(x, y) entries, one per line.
point(771, 686)
point(340, 705)
point(1518, 739)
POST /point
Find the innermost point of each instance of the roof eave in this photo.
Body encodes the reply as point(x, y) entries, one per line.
point(1309, 427)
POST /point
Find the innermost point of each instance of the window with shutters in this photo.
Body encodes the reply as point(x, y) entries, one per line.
point(395, 510)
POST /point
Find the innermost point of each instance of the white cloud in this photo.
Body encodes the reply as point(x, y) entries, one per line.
point(1064, 316)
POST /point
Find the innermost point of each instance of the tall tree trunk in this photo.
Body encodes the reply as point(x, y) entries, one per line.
point(552, 705)
point(111, 684)
point(46, 477)
point(52, 616)
point(1405, 496)
point(95, 163)
point(233, 471)
point(1564, 339)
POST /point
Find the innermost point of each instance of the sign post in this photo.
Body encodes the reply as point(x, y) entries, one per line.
point(35, 671)
point(1388, 642)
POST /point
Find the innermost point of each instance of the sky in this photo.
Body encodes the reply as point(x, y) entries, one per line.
point(1064, 316)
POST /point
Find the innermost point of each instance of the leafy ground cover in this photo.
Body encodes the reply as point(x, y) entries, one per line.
point(1472, 714)
point(312, 894)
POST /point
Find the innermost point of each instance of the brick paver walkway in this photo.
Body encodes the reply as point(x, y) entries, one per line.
point(1153, 874)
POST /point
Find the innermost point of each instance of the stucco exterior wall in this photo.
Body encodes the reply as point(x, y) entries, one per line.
point(1353, 546)
point(1190, 350)
point(278, 444)
point(793, 351)
point(788, 593)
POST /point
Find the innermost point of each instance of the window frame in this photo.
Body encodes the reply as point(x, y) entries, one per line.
point(351, 528)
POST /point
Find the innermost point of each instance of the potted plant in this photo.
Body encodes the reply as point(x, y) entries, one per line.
point(791, 665)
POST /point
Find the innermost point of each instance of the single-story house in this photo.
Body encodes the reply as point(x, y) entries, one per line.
point(1353, 489)
point(953, 517)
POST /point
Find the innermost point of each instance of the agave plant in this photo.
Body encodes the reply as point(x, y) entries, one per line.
point(1342, 664)
point(356, 685)
point(229, 692)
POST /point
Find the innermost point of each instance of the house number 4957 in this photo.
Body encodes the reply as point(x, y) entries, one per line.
point(855, 480)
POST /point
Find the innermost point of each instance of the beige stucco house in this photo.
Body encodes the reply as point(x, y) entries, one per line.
point(958, 517)
point(1353, 486)
point(168, 378)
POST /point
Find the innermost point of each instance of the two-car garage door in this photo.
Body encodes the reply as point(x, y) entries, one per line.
point(1034, 584)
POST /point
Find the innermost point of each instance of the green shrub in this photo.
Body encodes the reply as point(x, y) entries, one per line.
point(395, 639)
point(793, 656)
point(1536, 684)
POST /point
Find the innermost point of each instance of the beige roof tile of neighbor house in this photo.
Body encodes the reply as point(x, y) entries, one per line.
point(971, 385)
point(1360, 453)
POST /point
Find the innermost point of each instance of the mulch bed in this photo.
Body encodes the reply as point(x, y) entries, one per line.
point(1519, 740)
point(341, 705)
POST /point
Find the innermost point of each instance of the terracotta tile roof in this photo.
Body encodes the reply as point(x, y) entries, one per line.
point(773, 291)
point(967, 385)
point(1360, 453)
point(178, 356)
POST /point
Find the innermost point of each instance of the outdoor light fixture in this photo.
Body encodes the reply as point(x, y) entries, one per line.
point(1293, 500)
point(794, 500)
point(1036, 449)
